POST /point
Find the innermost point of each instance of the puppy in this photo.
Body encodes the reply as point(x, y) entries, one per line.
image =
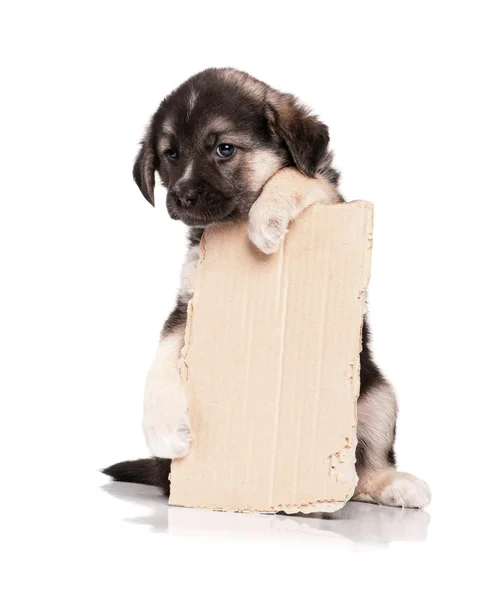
point(222, 144)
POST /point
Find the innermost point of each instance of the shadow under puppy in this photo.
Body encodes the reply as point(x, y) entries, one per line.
point(226, 147)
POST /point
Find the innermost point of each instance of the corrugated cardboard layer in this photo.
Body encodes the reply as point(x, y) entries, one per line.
point(271, 365)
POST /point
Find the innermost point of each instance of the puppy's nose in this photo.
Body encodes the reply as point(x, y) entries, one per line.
point(187, 198)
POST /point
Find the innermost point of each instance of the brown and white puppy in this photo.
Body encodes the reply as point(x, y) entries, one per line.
point(223, 143)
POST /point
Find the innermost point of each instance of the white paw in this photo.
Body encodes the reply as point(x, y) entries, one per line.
point(406, 491)
point(167, 443)
point(267, 229)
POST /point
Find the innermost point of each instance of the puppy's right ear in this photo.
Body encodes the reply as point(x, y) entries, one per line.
point(145, 166)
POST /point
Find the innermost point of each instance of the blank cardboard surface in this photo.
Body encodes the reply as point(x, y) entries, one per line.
point(271, 366)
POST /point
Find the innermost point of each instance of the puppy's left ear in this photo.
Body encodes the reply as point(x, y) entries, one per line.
point(145, 166)
point(305, 136)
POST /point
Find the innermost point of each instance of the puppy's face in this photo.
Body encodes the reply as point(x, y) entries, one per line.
point(218, 138)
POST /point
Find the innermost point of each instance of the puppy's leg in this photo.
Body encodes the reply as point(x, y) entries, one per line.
point(165, 420)
point(379, 481)
point(282, 200)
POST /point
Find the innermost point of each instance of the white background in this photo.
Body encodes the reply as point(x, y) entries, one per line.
point(412, 94)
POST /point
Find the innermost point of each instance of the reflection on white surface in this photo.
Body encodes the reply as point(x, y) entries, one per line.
point(358, 523)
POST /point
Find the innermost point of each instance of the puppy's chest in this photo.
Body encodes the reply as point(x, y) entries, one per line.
point(187, 279)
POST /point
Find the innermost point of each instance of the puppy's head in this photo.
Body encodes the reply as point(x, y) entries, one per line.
point(218, 138)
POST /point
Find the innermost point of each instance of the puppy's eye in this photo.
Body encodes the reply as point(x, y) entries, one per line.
point(170, 153)
point(225, 150)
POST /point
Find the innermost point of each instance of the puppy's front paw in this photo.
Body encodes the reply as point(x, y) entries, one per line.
point(167, 442)
point(266, 229)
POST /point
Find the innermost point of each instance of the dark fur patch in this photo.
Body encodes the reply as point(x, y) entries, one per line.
point(195, 235)
point(148, 471)
point(305, 136)
point(392, 456)
point(370, 375)
point(177, 318)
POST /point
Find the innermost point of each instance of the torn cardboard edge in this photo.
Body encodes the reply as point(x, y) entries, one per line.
point(271, 366)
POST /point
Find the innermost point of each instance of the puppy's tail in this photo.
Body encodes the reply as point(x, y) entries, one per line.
point(149, 471)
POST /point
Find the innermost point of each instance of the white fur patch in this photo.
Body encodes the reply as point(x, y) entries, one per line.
point(377, 412)
point(282, 200)
point(393, 488)
point(267, 227)
point(188, 273)
point(262, 165)
point(167, 127)
point(187, 174)
point(191, 103)
point(406, 491)
point(165, 419)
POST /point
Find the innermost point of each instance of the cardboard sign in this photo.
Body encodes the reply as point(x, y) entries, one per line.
point(271, 366)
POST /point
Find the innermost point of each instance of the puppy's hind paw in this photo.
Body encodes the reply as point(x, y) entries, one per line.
point(266, 231)
point(406, 491)
point(168, 443)
point(393, 488)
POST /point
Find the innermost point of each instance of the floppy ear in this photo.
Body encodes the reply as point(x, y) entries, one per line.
point(145, 166)
point(305, 136)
